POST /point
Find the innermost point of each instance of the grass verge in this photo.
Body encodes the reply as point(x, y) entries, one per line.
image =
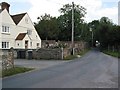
point(111, 53)
point(15, 70)
point(83, 52)
point(70, 57)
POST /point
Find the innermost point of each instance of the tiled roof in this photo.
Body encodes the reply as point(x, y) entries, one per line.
point(17, 18)
point(21, 36)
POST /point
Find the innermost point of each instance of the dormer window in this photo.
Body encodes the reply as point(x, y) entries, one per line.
point(5, 29)
point(26, 20)
point(29, 32)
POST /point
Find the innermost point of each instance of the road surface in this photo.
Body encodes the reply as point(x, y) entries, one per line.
point(37, 64)
point(93, 70)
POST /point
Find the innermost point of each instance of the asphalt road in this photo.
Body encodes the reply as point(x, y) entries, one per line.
point(37, 64)
point(93, 70)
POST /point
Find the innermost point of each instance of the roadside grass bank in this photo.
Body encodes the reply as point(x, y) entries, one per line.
point(80, 54)
point(84, 52)
point(14, 71)
point(111, 53)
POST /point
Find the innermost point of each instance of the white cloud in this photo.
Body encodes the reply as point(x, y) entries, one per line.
point(94, 8)
point(94, 13)
point(40, 7)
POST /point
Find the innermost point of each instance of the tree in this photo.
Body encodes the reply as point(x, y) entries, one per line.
point(65, 21)
point(104, 32)
point(47, 27)
point(94, 25)
point(60, 28)
point(105, 28)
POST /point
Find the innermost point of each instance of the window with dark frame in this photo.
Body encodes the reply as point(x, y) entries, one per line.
point(5, 29)
point(5, 45)
point(31, 44)
point(37, 44)
point(29, 32)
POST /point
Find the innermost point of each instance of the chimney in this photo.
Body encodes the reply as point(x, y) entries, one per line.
point(5, 5)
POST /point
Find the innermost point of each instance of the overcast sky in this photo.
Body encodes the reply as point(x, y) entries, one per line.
point(95, 8)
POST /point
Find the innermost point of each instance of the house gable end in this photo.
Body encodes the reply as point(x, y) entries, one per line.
point(6, 18)
point(26, 22)
point(29, 25)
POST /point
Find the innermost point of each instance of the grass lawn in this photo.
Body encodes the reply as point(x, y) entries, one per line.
point(15, 70)
point(114, 54)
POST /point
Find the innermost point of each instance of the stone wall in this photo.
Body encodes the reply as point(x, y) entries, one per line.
point(5, 52)
point(1, 53)
point(66, 52)
point(48, 53)
point(7, 60)
point(54, 51)
point(64, 44)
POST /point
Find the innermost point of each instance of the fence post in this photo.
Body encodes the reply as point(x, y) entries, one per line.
point(62, 53)
point(11, 57)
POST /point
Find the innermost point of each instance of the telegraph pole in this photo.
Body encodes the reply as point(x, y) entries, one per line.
point(72, 28)
point(92, 36)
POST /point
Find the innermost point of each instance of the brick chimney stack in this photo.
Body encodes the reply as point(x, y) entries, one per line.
point(5, 5)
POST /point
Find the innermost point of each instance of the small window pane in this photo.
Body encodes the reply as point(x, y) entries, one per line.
point(5, 44)
point(5, 29)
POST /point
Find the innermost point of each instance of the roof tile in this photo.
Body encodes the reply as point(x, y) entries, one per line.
point(17, 18)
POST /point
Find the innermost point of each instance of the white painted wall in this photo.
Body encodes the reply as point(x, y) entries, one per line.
point(7, 21)
point(29, 26)
point(18, 44)
point(22, 27)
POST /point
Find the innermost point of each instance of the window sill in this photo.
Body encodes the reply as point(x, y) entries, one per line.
point(5, 48)
point(6, 33)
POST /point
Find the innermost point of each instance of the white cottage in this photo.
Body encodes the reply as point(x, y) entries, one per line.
point(17, 31)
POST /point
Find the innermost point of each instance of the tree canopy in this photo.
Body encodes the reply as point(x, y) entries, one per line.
point(60, 28)
point(52, 28)
point(105, 32)
point(47, 27)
